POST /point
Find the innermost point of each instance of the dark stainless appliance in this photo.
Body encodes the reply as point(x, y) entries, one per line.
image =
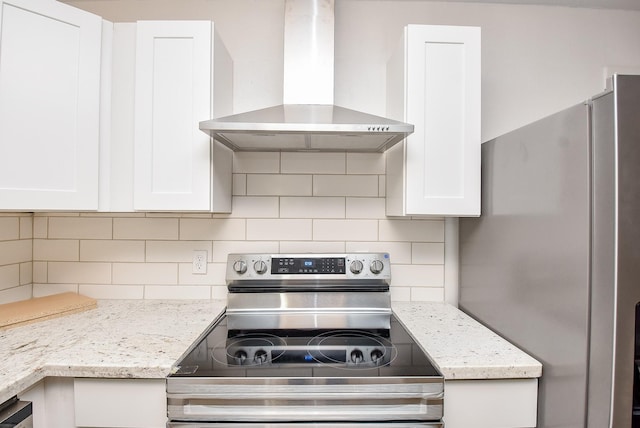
point(553, 262)
point(306, 338)
point(15, 413)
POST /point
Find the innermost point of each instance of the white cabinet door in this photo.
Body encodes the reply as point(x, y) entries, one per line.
point(49, 106)
point(120, 403)
point(491, 403)
point(177, 64)
point(434, 83)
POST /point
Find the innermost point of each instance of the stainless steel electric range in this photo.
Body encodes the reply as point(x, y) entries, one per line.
point(306, 340)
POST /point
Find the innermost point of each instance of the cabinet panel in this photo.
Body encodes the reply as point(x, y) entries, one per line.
point(174, 92)
point(125, 403)
point(50, 57)
point(491, 403)
point(436, 170)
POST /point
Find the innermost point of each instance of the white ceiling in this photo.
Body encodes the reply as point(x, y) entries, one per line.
point(594, 4)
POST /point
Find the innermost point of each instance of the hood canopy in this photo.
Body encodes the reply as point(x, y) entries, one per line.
point(308, 120)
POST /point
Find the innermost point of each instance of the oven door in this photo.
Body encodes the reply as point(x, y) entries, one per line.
point(307, 425)
point(277, 400)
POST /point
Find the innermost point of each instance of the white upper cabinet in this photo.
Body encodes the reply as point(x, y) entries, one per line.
point(183, 75)
point(50, 63)
point(434, 83)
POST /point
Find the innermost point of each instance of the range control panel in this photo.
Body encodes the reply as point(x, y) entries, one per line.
point(304, 267)
point(308, 265)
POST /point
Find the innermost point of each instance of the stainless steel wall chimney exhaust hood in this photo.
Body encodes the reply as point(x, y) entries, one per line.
point(308, 120)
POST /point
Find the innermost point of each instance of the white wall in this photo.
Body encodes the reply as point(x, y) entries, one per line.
point(536, 59)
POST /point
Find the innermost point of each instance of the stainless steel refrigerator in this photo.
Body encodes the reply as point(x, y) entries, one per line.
point(553, 262)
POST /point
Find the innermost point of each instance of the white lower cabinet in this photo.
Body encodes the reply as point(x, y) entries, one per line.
point(433, 82)
point(60, 402)
point(120, 403)
point(494, 403)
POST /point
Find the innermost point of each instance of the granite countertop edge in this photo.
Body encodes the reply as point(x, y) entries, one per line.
point(144, 339)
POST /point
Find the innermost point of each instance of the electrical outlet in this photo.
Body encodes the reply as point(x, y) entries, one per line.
point(199, 262)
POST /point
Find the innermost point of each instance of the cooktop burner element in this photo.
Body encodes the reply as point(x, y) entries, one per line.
point(306, 338)
point(347, 349)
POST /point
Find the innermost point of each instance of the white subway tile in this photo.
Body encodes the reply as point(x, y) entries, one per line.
point(427, 253)
point(175, 251)
point(40, 272)
point(106, 291)
point(145, 228)
point(345, 230)
point(255, 207)
point(79, 272)
point(312, 207)
point(9, 228)
point(178, 292)
point(218, 272)
point(9, 276)
point(239, 185)
point(366, 208)
point(412, 230)
point(365, 163)
point(400, 294)
point(26, 227)
point(279, 229)
point(313, 163)
point(40, 227)
point(16, 294)
point(427, 294)
point(312, 247)
point(41, 290)
point(227, 229)
point(219, 292)
point(221, 249)
point(26, 273)
point(144, 273)
point(186, 275)
point(80, 228)
point(345, 185)
point(399, 252)
point(417, 275)
point(112, 251)
point(113, 214)
point(12, 252)
point(59, 250)
point(279, 185)
point(256, 162)
point(62, 214)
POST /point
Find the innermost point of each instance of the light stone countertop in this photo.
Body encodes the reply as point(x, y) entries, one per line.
point(144, 338)
point(461, 347)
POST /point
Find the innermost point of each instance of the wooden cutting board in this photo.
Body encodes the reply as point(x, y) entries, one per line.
point(43, 308)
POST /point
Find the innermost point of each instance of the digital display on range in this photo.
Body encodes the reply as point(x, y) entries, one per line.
point(294, 265)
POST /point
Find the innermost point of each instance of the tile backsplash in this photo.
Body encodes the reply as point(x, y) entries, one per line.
point(15, 256)
point(282, 202)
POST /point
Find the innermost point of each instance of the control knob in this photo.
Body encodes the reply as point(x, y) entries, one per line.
point(376, 356)
point(240, 266)
point(376, 267)
point(240, 357)
point(260, 267)
point(356, 267)
point(356, 356)
point(260, 356)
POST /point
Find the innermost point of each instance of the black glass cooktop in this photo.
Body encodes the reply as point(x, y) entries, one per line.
point(306, 353)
